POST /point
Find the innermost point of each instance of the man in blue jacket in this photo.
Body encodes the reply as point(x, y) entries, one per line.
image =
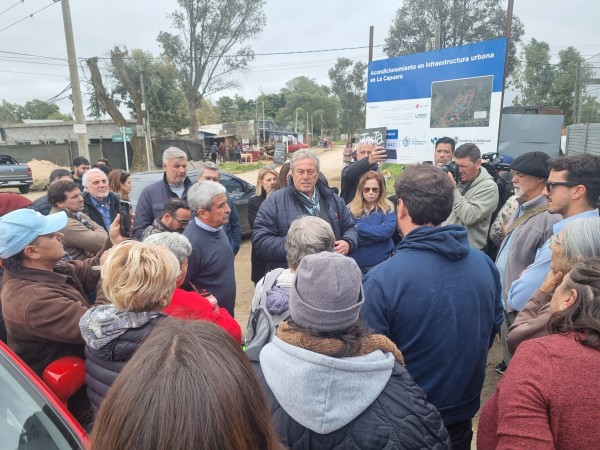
point(305, 195)
point(438, 299)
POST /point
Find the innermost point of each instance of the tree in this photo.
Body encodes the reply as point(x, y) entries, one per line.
point(12, 112)
point(273, 103)
point(536, 75)
point(206, 46)
point(348, 85)
point(207, 113)
point(304, 96)
point(462, 22)
point(34, 109)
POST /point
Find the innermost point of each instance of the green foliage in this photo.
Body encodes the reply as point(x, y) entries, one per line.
point(464, 22)
point(205, 45)
point(34, 109)
point(304, 96)
point(348, 85)
point(537, 75)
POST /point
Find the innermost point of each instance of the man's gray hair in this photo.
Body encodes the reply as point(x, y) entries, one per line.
point(207, 165)
point(173, 153)
point(179, 245)
point(581, 239)
point(84, 178)
point(304, 154)
point(367, 142)
point(308, 235)
point(200, 195)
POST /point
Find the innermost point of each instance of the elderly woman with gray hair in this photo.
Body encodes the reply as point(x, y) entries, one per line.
point(578, 241)
point(192, 305)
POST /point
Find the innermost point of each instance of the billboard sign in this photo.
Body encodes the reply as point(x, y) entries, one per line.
point(455, 92)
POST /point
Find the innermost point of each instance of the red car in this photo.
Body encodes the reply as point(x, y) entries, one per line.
point(31, 415)
point(293, 146)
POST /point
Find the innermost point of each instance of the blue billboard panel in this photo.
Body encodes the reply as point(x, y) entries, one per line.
point(452, 92)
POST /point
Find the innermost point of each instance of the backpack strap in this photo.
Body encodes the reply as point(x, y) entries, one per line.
point(528, 215)
point(270, 280)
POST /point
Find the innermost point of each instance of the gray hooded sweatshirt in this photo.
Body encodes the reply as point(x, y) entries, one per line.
point(319, 392)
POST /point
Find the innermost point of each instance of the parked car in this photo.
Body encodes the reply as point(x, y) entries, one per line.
point(14, 174)
point(31, 415)
point(239, 191)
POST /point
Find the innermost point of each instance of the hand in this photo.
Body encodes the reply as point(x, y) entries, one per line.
point(551, 282)
point(452, 180)
point(379, 155)
point(341, 247)
point(114, 232)
point(504, 229)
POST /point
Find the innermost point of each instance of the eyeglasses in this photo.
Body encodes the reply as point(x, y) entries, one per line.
point(554, 241)
point(369, 189)
point(551, 184)
point(183, 223)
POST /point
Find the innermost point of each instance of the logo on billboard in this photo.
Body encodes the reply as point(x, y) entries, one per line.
point(421, 116)
point(406, 141)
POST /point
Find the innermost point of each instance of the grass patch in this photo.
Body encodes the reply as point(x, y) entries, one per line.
point(391, 171)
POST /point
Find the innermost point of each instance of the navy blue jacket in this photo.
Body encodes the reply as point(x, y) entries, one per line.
point(400, 418)
point(440, 301)
point(102, 366)
point(151, 203)
point(95, 215)
point(375, 242)
point(281, 208)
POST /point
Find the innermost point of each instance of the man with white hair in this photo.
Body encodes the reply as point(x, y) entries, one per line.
point(101, 205)
point(210, 266)
point(175, 184)
point(368, 154)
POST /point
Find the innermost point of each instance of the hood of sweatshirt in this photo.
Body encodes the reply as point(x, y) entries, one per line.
point(451, 241)
point(319, 392)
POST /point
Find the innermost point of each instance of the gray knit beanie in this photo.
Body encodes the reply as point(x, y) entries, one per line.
point(327, 293)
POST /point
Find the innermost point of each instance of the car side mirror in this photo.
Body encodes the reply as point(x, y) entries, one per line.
point(65, 376)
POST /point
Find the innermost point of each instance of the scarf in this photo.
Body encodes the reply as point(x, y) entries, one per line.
point(312, 206)
point(103, 324)
point(331, 346)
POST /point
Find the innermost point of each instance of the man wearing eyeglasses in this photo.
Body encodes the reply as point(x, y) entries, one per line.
point(175, 218)
point(368, 155)
point(572, 190)
point(525, 232)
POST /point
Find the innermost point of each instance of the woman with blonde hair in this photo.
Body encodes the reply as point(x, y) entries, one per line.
point(119, 182)
point(375, 221)
point(267, 182)
point(139, 280)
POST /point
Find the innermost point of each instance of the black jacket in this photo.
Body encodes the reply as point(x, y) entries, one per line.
point(102, 366)
point(42, 205)
point(94, 214)
point(350, 176)
point(400, 418)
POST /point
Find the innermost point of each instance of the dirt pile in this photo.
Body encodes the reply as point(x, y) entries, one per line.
point(41, 169)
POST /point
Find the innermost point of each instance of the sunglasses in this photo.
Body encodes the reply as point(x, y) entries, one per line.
point(551, 184)
point(183, 223)
point(368, 189)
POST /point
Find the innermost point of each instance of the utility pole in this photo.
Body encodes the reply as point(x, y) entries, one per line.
point(437, 41)
point(146, 119)
point(577, 100)
point(82, 142)
point(371, 31)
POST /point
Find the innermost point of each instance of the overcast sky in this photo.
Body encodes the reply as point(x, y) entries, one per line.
point(291, 26)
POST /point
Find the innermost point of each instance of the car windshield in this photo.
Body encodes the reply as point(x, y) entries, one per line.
point(27, 421)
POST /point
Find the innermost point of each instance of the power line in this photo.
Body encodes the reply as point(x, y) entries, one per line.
point(33, 56)
point(24, 61)
point(11, 7)
point(30, 15)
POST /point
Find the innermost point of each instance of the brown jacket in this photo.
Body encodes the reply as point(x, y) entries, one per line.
point(81, 241)
point(42, 310)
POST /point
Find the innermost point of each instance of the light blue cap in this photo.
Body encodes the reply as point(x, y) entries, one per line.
point(20, 228)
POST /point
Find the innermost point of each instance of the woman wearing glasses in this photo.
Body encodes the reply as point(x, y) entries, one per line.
point(548, 397)
point(375, 221)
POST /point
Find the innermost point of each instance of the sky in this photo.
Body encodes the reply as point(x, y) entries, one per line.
point(292, 26)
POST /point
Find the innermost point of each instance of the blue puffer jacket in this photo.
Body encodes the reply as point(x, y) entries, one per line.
point(367, 402)
point(280, 209)
point(102, 366)
point(375, 242)
point(151, 203)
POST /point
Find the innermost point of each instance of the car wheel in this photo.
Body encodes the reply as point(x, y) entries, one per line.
point(24, 189)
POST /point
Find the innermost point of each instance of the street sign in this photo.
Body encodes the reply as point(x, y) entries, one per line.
point(128, 130)
point(119, 138)
point(140, 130)
point(79, 128)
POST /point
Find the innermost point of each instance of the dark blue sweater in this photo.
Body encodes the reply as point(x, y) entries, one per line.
point(439, 301)
point(210, 266)
point(375, 243)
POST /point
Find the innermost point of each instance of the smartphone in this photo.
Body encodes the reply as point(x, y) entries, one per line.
point(125, 212)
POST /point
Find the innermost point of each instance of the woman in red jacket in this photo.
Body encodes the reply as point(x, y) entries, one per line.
point(192, 305)
point(548, 397)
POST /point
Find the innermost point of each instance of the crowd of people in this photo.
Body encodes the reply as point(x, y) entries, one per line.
point(372, 315)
